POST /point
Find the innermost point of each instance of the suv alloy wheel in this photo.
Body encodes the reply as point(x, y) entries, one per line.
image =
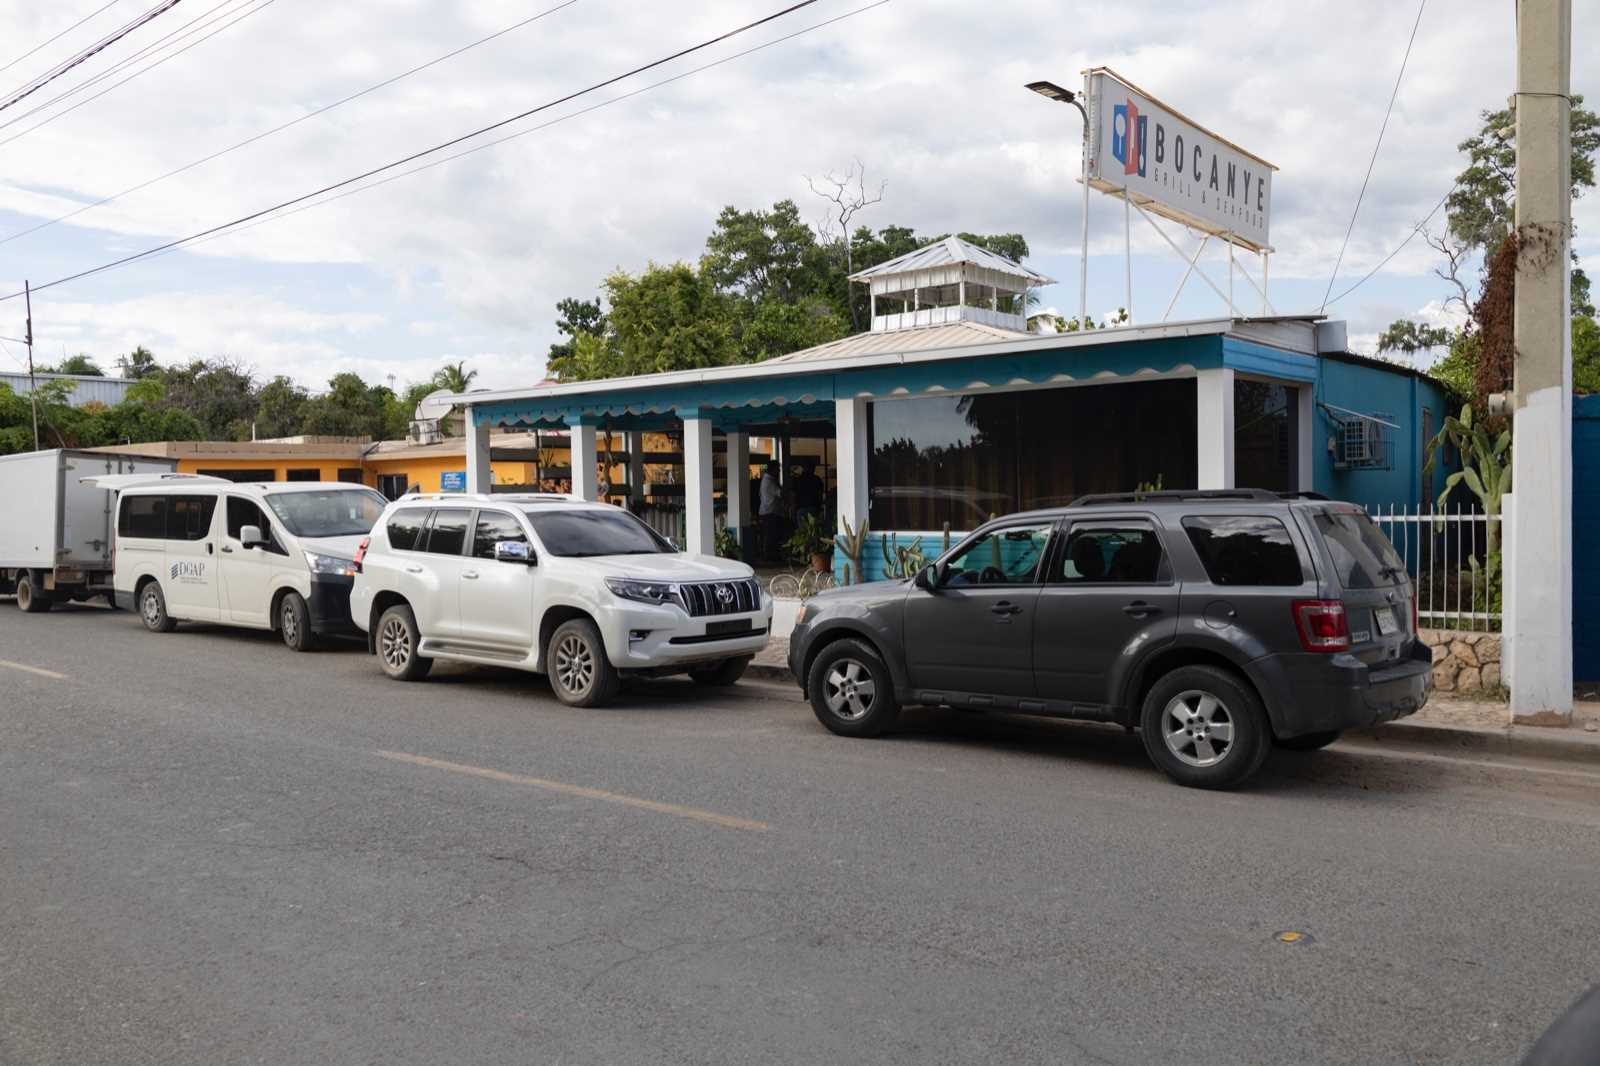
point(580, 674)
point(852, 692)
point(397, 643)
point(1205, 728)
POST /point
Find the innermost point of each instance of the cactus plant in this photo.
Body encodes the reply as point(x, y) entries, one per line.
point(901, 562)
point(851, 542)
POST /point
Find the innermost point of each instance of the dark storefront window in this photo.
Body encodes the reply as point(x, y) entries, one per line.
point(1265, 433)
point(960, 459)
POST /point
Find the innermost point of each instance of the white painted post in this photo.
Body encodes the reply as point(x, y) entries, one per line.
point(1305, 424)
point(1127, 246)
point(738, 494)
point(1083, 239)
point(699, 533)
point(850, 434)
point(585, 460)
point(635, 447)
point(1266, 273)
point(480, 477)
point(1214, 401)
point(1538, 622)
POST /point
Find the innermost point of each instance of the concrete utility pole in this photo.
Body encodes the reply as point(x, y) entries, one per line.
point(1538, 571)
point(33, 383)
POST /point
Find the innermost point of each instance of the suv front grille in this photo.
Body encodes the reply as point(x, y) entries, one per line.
point(703, 598)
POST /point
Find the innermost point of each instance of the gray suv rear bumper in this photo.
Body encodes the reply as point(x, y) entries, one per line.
point(1315, 693)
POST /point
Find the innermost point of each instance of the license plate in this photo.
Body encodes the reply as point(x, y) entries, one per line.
point(1384, 618)
point(729, 629)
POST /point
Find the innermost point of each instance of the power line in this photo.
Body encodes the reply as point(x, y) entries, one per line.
point(115, 68)
point(1398, 248)
point(237, 15)
point(1374, 160)
point(292, 122)
point(535, 129)
point(413, 157)
point(29, 88)
point(58, 36)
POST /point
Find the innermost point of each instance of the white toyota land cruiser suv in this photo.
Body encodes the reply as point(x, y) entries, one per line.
point(582, 592)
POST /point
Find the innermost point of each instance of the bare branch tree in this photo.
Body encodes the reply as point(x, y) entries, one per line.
point(1455, 254)
point(846, 196)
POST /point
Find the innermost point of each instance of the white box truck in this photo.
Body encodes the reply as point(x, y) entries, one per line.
point(56, 533)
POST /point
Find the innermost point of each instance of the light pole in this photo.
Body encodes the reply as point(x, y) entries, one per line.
point(1051, 91)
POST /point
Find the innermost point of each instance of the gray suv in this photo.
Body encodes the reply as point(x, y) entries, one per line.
point(1218, 623)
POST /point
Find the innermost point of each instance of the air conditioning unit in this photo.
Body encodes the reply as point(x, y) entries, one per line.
point(1361, 444)
point(424, 431)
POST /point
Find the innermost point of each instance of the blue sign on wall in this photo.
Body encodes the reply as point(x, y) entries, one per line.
point(453, 481)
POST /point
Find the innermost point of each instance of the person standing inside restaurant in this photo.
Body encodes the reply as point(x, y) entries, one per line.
point(771, 512)
point(808, 492)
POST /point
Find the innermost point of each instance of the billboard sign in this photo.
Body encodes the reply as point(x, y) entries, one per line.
point(1172, 167)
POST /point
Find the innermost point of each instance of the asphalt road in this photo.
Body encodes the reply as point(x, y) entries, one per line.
point(215, 851)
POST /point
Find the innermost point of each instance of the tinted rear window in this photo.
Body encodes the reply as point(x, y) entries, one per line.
point(1244, 550)
point(1363, 558)
point(143, 516)
point(448, 536)
point(404, 529)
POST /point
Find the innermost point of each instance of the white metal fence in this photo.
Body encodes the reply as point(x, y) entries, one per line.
point(1453, 554)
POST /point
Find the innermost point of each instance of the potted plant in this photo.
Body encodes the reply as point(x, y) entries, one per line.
point(809, 542)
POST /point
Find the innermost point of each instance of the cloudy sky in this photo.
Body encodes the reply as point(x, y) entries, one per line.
point(466, 260)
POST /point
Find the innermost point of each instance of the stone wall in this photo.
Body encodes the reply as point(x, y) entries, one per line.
point(1464, 662)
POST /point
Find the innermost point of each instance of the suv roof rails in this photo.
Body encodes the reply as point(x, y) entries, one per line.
point(1304, 494)
point(490, 497)
point(1102, 499)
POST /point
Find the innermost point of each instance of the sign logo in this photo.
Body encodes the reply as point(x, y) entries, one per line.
point(189, 573)
point(724, 594)
point(1128, 129)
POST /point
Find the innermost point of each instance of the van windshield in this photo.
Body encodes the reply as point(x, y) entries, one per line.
point(328, 512)
point(1361, 553)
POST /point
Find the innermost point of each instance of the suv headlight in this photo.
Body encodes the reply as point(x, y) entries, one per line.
point(330, 564)
point(656, 592)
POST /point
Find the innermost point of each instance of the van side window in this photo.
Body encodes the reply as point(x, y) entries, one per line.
point(143, 516)
point(1244, 550)
point(448, 534)
point(241, 513)
point(405, 530)
point(189, 517)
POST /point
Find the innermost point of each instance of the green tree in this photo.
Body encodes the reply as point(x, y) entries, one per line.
point(1585, 356)
point(777, 328)
point(81, 364)
point(138, 364)
point(667, 318)
point(455, 377)
point(576, 316)
point(219, 393)
point(280, 408)
point(350, 408)
point(766, 255)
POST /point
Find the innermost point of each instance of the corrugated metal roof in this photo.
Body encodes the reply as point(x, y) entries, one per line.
point(919, 339)
point(85, 387)
point(947, 252)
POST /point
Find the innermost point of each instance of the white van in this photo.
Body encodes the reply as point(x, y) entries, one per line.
point(276, 556)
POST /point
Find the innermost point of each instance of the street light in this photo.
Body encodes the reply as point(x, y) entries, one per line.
point(1051, 91)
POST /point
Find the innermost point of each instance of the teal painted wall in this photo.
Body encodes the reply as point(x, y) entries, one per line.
point(1586, 538)
point(1394, 396)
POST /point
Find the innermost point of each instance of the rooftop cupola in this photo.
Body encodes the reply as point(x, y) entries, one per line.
point(949, 281)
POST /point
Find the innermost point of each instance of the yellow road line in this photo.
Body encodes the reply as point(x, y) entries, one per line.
point(51, 674)
point(674, 809)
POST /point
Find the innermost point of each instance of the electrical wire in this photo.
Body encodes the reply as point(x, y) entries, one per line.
point(115, 68)
point(535, 129)
point(292, 122)
point(29, 88)
point(1398, 249)
point(1374, 160)
point(58, 36)
point(414, 156)
point(237, 16)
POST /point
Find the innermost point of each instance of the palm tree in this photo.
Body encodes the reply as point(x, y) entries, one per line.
point(455, 377)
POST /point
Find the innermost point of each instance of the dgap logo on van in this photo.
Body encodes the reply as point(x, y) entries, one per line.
point(190, 573)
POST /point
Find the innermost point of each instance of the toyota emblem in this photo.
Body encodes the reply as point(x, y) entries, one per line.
point(724, 594)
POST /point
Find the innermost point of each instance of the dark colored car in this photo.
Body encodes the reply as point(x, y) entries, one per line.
point(1218, 623)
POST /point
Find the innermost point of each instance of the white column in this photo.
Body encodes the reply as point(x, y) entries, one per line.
point(636, 467)
point(738, 495)
point(1538, 619)
point(585, 460)
point(479, 475)
point(1214, 402)
point(699, 525)
point(850, 432)
point(1305, 425)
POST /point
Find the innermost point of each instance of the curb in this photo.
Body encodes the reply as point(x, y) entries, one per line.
point(772, 674)
point(1561, 745)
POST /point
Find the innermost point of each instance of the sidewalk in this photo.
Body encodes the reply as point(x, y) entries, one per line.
point(1455, 725)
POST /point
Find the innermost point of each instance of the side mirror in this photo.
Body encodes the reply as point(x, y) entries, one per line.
point(250, 537)
point(928, 577)
point(514, 551)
